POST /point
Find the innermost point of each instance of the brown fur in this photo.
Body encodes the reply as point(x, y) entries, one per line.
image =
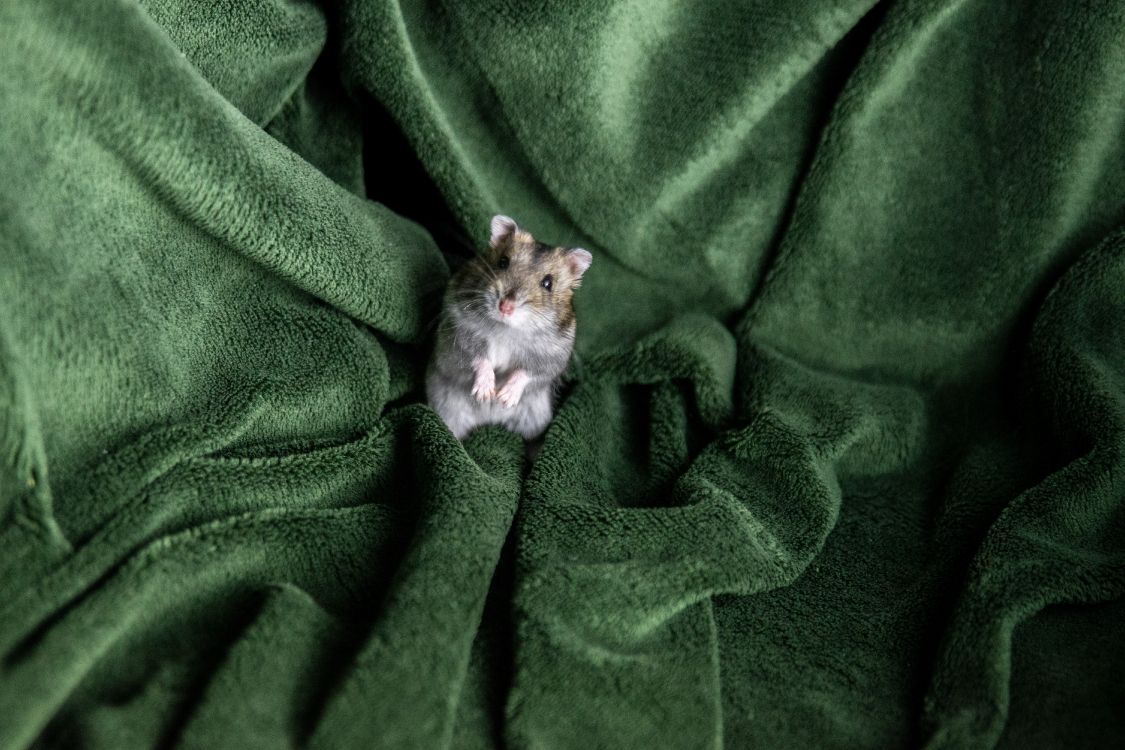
point(528, 262)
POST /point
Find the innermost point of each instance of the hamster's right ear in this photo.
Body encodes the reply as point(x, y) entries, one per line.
point(503, 227)
point(579, 259)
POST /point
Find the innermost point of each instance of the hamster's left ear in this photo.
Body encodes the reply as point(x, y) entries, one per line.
point(579, 261)
point(503, 227)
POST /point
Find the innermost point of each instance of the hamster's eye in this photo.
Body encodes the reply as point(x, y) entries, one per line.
point(546, 282)
point(502, 263)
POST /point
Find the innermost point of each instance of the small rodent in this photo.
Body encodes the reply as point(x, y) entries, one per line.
point(506, 334)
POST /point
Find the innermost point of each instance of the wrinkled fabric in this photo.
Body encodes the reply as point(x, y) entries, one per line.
point(840, 461)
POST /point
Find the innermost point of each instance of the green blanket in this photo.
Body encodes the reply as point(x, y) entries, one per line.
point(840, 462)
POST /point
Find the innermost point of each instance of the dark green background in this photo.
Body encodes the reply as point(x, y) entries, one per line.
point(841, 463)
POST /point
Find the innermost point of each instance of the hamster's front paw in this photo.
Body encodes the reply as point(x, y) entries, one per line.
point(509, 395)
point(484, 387)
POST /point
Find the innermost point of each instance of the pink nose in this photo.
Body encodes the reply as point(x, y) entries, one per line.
point(507, 306)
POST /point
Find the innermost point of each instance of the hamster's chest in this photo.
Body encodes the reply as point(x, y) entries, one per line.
point(507, 351)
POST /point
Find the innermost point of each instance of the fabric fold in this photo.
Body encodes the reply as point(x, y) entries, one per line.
point(838, 463)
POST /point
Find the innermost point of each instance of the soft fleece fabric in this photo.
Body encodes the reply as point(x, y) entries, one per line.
point(841, 463)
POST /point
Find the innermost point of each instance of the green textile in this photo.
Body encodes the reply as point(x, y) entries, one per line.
point(840, 464)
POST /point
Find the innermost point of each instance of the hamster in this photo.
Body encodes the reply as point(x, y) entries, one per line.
point(506, 334)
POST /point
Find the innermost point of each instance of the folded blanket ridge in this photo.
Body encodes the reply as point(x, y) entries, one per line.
point(838, 464)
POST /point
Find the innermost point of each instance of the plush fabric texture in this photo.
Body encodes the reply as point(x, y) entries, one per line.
point(840, 463)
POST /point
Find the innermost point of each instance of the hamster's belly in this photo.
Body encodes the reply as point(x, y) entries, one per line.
point(504, 352)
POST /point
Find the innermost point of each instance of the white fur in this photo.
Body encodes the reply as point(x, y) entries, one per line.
point(463, 413)
point(501, 391)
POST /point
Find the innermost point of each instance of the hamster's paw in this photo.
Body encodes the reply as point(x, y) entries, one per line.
point(484, 389)
point(509, 395)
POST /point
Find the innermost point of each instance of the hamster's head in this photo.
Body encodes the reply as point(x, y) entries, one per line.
point(521, 282)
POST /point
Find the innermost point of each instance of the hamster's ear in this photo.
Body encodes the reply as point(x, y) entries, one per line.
point(502, 228)
point(579, 261)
